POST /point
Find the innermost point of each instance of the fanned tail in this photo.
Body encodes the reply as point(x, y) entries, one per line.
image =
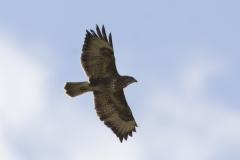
point(74, 89)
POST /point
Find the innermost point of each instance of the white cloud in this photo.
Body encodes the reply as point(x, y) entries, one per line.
point(184, 123)
point(6, 150)
point(22, 84)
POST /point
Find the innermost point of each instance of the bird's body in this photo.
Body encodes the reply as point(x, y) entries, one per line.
point(110, 84)
point(106, 84)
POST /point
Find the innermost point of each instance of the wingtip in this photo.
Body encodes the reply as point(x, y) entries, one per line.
point(97, 27)
point(134, 129)
point(88, 32)
point(101, 35)
point(125, 136)
point(110, 39)
point(121, 138)
point(104, 34)
point(130, 133)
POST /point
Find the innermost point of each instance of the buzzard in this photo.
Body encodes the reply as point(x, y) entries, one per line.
point(104, 81)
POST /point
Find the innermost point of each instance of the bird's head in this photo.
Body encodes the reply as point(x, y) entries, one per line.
point(129, 80)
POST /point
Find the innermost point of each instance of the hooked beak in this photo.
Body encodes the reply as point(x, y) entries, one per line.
point(135, 80)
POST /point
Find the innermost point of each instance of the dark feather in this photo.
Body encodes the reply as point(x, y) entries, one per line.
point(105, 116)
point(93, 33)
point(130, 133)
point(121, 138)
point(114, 129)
point(125, 136)
point(99, 32)
point(109, 124)
point(110, 40)
point(134, 129)
point(88, 33)
point(104, 34)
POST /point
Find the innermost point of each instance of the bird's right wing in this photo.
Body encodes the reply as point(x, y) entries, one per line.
point(112, 108)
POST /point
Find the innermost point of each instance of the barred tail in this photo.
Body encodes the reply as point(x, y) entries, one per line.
point(74, 89)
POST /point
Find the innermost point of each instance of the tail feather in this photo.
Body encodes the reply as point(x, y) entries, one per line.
point(74, 89)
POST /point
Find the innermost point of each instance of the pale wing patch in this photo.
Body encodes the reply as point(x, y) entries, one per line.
point(99, 43)
point(95, 44)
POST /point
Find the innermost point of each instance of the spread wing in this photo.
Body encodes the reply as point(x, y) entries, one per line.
point(112, 108)
point(98, 58)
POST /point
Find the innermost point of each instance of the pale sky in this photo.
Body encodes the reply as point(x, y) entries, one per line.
point(184, 54)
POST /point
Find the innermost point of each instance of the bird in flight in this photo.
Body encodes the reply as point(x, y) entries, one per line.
point(106, 83)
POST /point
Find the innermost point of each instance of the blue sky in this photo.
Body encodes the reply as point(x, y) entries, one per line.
point(184, 54)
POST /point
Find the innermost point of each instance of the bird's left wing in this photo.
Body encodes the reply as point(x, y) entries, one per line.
point(98, 59)
point(112, 108)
